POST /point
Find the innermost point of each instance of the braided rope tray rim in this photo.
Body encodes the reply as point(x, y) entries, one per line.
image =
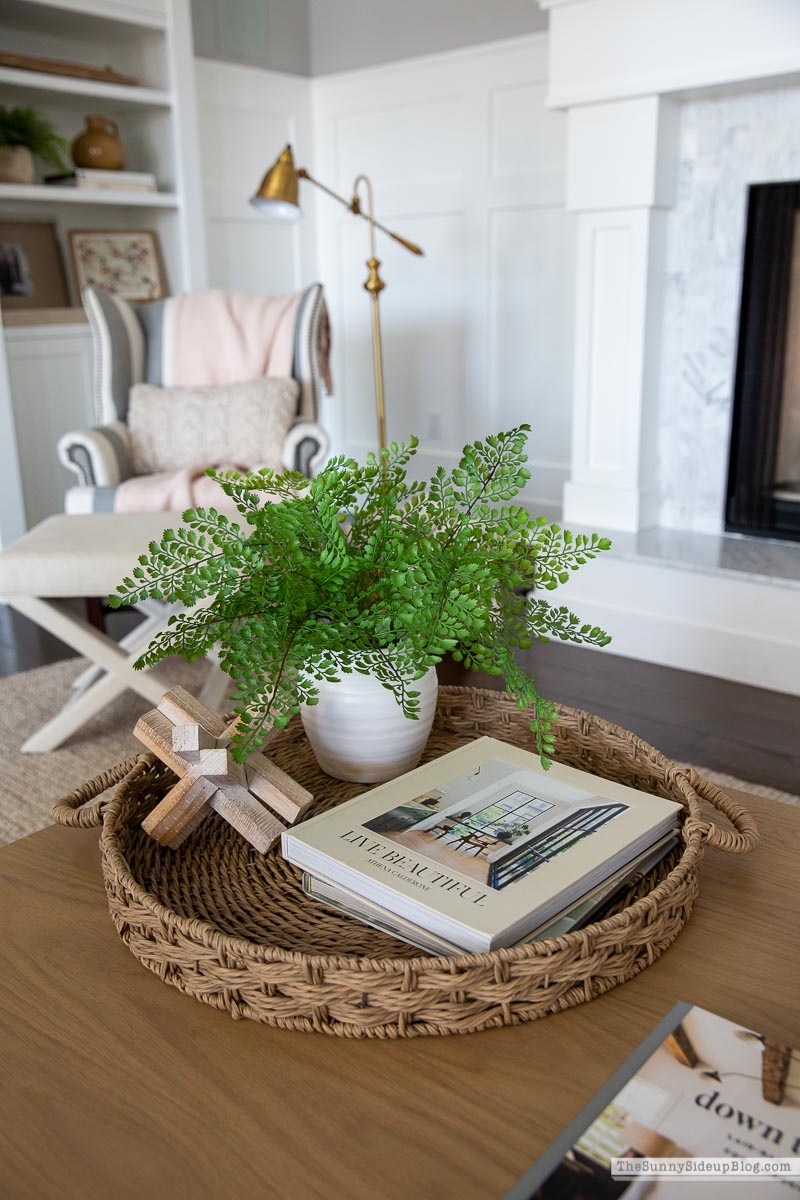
point(406, 993)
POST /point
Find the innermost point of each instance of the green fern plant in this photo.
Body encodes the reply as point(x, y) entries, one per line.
point(363, 569)
point(28, 127)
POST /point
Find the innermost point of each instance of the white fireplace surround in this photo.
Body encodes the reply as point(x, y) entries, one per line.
point(646, 86)
point(622, 70)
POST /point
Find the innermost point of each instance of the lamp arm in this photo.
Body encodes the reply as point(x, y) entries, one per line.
point(354, 207)
point(302, 173)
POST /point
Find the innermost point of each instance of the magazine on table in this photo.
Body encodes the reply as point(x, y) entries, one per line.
point(482, 846)
point(701, 1099)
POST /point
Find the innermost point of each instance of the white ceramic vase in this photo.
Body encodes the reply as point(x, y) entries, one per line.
point(359, 733)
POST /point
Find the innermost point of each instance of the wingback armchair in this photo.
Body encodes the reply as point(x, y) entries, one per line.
point(127, 345)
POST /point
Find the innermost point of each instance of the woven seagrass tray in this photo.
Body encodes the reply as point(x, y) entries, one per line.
point(233, 928)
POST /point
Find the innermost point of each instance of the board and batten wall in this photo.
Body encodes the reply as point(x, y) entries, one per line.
point(467, 161)
point(246, 115)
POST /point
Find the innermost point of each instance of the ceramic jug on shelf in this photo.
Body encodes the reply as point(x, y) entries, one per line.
point(99, 146)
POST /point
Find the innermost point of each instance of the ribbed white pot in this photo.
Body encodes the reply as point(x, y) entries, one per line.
point(358, 731)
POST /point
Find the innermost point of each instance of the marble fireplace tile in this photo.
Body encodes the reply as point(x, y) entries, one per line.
point(726, 143)
point(763, 560)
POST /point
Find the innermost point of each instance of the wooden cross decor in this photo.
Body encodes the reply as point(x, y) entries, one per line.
point(256, 798)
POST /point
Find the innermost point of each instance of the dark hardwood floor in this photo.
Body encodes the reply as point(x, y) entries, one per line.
point(746, 731)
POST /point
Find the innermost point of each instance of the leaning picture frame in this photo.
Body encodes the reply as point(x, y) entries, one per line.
point(31, 266)
point(126, 262)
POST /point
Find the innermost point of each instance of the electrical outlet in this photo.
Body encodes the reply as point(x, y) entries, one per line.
point(434, 430)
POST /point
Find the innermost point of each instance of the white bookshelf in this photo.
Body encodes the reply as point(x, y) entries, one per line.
point(148, 39)
point(115, 97)
point(48, 194)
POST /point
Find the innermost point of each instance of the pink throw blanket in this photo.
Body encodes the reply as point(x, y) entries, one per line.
point(229, 337)
point(174, 491)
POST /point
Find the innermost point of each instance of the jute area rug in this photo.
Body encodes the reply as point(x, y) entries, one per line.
point(30, 783)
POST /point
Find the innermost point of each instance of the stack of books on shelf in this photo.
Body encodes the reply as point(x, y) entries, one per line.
point(483, 849)
point(90, 179)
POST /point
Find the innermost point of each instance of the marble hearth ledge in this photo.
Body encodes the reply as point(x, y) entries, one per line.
point(759, 560)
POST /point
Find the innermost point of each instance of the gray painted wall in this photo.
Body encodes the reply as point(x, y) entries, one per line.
point(361, 33)
point(260, 33)
point(318, 37)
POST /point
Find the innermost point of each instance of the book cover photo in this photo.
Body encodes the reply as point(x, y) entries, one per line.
point(700, 1087)
point(494, 824)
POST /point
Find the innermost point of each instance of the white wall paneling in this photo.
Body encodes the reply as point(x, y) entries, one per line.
point(467, 161)
point(246, 117)
point(50, 369)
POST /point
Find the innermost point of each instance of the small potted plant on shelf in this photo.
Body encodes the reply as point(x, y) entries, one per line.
point(338, 602)
point(25, 134)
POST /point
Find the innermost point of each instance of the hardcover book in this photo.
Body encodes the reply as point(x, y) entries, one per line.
point(481, 846)
point(93, 179)
point(705, 1098)
point(590, 907)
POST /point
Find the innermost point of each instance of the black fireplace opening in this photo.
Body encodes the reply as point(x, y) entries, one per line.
point(763, 491)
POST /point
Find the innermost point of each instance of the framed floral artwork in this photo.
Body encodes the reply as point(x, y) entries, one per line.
point(126, 262)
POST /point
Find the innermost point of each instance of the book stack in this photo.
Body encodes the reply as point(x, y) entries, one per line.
point(90, 179)
point(482, 849)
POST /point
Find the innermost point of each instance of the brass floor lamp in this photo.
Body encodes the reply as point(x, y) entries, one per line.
point(278, 197)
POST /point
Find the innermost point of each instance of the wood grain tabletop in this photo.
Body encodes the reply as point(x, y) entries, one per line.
point(116, 1085)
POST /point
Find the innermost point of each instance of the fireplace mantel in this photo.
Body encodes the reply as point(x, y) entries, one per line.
point(621, 68)
point(604, 50)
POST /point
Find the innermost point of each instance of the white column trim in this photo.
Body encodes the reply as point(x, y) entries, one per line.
point(619, 182)
point(189, 182)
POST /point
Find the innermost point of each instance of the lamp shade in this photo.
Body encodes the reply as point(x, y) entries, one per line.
point(277, 195)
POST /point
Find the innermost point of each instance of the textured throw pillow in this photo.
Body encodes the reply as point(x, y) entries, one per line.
point(244, 424)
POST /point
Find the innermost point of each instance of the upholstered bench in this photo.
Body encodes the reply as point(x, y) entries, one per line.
point(80, 556)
